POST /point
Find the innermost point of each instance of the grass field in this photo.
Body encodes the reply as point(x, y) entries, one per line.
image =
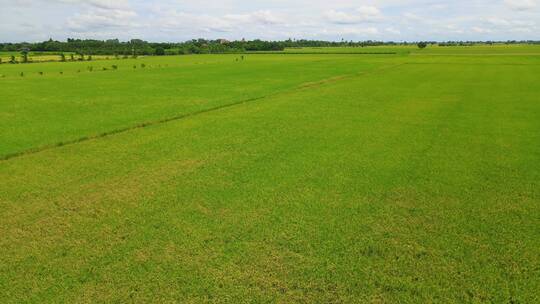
point(316, 178)
point(479, 50)
point(353, 50)
point(482, 50)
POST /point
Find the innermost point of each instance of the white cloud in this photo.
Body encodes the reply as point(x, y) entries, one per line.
point(259, 17)
point(174, 20)
point(103, 4)
point(102, 19)
point(181, 21)
point(392, 30)
point(511, 26)
point(171, 20)
point(412, 17)
point(497, 21)
point(521, 5)
point(481, 30)
point(359, 15)
point(353, 31)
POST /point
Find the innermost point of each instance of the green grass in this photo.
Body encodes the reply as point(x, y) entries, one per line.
point(42, 110)
point(353, 50)
point(480, 50)
point(349, 179)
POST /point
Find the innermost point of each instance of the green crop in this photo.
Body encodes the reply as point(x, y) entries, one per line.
point(317, 178)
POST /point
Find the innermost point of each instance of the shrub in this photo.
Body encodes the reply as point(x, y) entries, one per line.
point(105, 69)
point(62, 57)
point(40, 73)
point(0, 60)
point(114, 67)
point(90, 68)
point(22, 74)
point(12, 60)
point(24, 57)
point(89, 57)
point(159, 51)
point(422, 45)
point(72, 57)
point(143, 65)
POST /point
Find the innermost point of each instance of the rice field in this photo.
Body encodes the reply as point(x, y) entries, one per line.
point(300, 178)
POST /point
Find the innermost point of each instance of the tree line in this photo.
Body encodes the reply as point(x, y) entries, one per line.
point(195, 46)
point(204, 46)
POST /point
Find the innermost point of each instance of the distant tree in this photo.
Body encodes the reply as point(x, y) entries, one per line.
point(62, 57)
point(72, 57)
point(89, 58)
point(13, 60)
point(422, 45)
point(0, 60)
point(160, 51)
point(203, 46)
point(24, 56)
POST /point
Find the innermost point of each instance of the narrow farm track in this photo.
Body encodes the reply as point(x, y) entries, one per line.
point(146, 124)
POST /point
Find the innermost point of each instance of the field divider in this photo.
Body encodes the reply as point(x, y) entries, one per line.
point(322, 53)
point(300, 87)
point(308, 85)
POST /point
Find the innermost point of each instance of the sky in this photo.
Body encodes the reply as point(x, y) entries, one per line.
point(358, 20)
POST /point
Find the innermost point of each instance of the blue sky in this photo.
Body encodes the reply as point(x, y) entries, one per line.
point(178, 20)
